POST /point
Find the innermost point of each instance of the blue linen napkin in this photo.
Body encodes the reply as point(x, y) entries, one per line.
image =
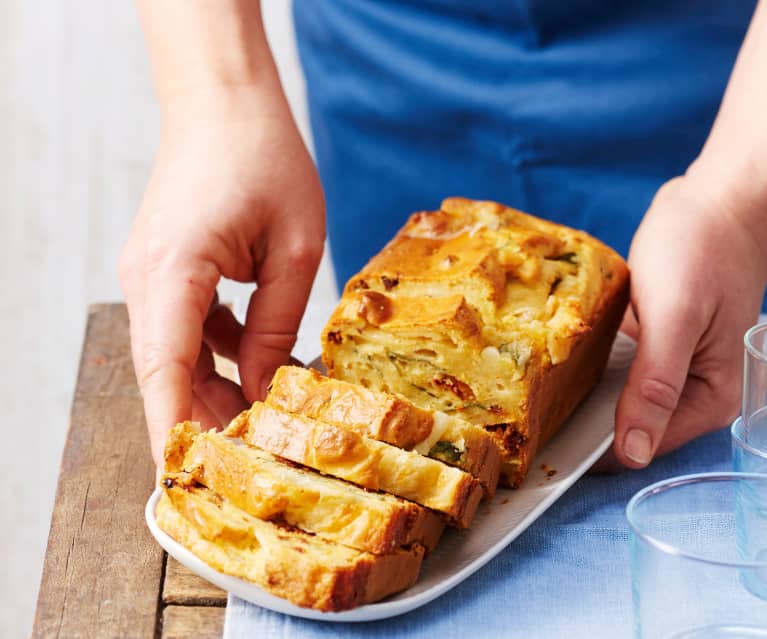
point(568, 575)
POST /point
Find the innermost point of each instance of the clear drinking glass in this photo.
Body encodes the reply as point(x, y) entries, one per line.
point(749, 454)
point(699, 557)
point(754, 409)
point(749, 432)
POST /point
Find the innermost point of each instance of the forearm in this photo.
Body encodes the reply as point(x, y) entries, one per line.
point(207, 50)
point(734, 157)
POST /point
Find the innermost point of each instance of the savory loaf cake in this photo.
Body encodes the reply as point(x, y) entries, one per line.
point(374, 465)
point(286, 562)
point(484, 312)
point(389, 419)
point(268, 488)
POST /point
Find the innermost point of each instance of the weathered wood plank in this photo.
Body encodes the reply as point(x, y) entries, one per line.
point(103, 568)
point(200, 622)
point(185, 588)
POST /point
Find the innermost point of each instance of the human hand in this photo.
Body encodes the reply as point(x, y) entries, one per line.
point(232, 194)
point(698, 276)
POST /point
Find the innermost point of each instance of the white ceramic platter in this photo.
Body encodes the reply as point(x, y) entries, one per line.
point(585, 437)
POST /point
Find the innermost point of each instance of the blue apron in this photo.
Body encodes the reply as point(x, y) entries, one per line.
point(573, 110)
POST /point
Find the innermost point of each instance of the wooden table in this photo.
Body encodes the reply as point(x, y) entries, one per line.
point(104, 574)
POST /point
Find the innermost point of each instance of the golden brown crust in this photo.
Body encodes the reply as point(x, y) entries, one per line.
point(265, 487)
point(366, 462)
point(288, 563)
point(387, 418)
point(538, 301)
point(383, 417)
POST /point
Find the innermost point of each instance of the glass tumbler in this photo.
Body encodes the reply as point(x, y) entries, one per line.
point(699, 557)
point(749, 454)
point(750, 430)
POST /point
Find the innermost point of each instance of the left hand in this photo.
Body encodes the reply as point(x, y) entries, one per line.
point(698, 275)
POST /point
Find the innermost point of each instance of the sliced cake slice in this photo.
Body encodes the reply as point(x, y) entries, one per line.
point(288, 563)
point(269, 488)
point(388, 418)
point(364, 461)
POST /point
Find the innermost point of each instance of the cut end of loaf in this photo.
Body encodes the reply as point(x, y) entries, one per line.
point(480, 312)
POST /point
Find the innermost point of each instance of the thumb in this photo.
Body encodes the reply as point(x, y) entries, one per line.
point(655, 383)
point(274, 314)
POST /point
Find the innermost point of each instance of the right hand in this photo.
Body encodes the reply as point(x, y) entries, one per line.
point(233, 193)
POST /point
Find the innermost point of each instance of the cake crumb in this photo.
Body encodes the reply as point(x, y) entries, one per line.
point(550, 472)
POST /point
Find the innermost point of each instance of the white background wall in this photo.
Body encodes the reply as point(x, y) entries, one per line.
point(78, 127)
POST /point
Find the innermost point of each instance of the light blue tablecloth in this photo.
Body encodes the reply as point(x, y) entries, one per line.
point(567, 576)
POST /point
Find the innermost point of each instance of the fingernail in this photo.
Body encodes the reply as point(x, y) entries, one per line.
point(637, 446)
